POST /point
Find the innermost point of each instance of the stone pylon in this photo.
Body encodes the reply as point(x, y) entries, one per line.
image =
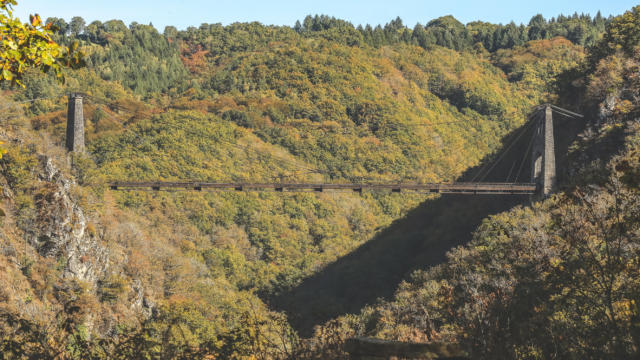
point(543, 164)
point(75, 124)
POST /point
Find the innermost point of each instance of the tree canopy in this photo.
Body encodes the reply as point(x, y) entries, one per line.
point(30, 45)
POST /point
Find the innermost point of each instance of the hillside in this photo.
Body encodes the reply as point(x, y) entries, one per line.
point(555, 279)
point(102, 274)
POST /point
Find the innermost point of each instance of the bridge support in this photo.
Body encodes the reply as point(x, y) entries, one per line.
point(75, 124)
point(543, 172)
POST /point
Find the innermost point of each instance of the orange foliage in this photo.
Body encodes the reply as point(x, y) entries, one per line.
point(224, 103)
point(45, 120)
point(558, 48)
point(203, 106)
point(543, 48)
point(138, 264)
point(195, 60)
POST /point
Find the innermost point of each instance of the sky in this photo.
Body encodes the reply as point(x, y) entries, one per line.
point(185, 13)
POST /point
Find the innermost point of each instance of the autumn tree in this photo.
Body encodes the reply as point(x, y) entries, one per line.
point(30, 45)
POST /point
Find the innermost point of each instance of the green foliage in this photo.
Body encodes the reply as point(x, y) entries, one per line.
point(113, 288)
point(621, 35)
point(538, 64)
point(446, 31)
point(334, 113)
point(2, 150)
point(369, 120)
point(30, 46)
point(18, 164)
point(84, 168)
point(136, 56)
point(612, 82)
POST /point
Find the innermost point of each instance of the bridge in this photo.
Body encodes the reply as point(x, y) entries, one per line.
point(541, 185)
point(453, 188)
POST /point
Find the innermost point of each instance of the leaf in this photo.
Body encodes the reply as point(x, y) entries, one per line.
point(35, 20)
point(7, 75)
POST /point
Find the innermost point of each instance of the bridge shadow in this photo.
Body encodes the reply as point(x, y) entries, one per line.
point(419, 240)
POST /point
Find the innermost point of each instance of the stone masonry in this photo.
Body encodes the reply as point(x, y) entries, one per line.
point(544, 157)
point(75, 124)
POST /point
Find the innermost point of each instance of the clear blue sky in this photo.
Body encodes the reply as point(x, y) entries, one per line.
point(184, 13)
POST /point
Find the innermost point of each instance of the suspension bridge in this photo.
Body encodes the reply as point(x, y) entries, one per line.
point(541, 148)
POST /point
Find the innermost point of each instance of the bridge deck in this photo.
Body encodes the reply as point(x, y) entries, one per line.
point(451, 188)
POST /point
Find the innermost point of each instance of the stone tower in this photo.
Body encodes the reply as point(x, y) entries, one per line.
point(75, 124)
point(543, 164)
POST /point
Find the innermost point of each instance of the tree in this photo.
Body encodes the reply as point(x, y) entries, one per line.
point(537, 25)
point(61, 26)
point(170, 32)
point(598, 279)
point(77, 26)
point(621, 35)
point(30, 45)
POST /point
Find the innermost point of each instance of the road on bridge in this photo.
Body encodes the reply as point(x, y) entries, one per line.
point(452, 188)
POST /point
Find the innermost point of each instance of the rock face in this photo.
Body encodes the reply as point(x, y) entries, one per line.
point(60, 229)
point(607, 107)
point(141, 303)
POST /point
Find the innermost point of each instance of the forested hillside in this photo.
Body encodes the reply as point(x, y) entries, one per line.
point(91, 273)
point(557, 279)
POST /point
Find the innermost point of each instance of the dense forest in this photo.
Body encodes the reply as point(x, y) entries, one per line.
point(88, 273)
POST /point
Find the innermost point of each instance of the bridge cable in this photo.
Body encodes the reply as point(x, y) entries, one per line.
point(494, 162)
point(524, 158)
point(511, 171)
point(119, 107)
point(565, 112)
point(14, 103)
point(504, 153)
point(486, 164)
point(482, 169)
point(122, 122)
point(392, 126)
point(114, 117)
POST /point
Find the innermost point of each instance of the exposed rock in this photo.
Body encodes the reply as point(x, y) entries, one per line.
point(140, 302)
point(60, 228)
point(607, 107)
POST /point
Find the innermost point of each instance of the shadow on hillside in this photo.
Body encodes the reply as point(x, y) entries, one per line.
point(419, 240)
